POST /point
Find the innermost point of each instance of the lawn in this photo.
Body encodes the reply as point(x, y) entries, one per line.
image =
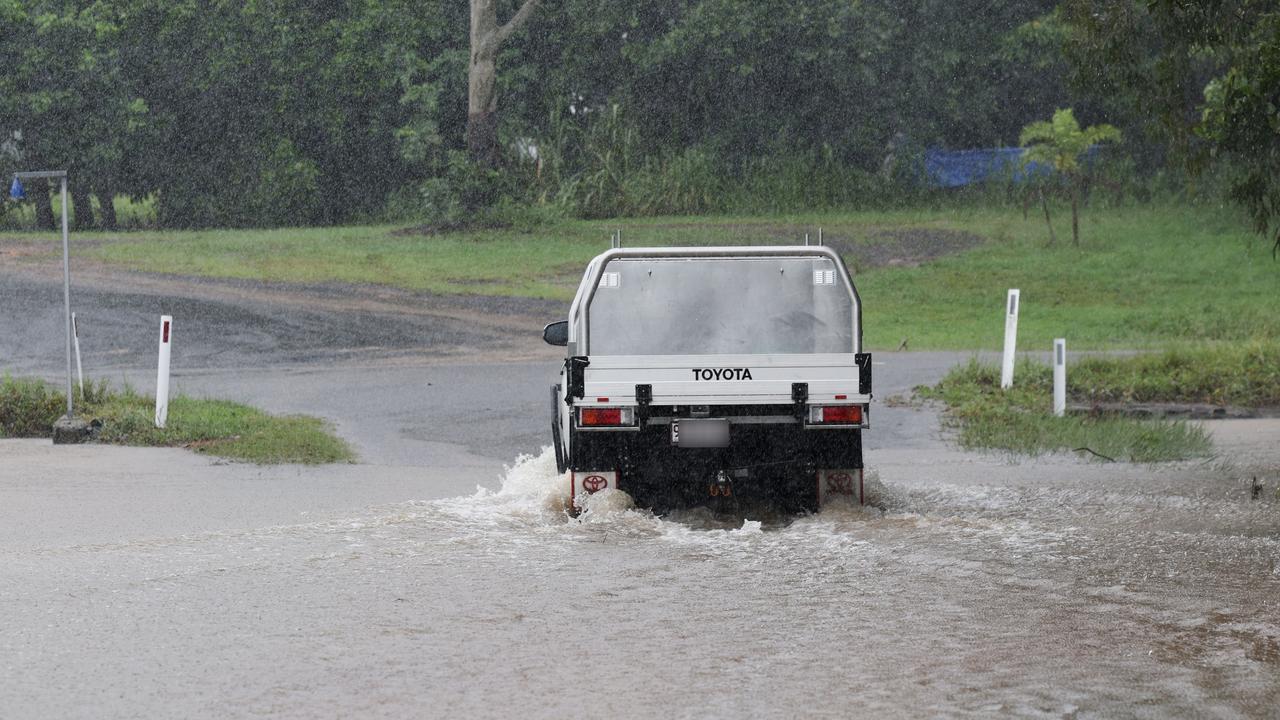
point(1144, 277)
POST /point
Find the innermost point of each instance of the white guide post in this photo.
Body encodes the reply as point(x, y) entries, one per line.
point(162, 373)
point(1010, 339)
point(75, 339)
point(1059, 377)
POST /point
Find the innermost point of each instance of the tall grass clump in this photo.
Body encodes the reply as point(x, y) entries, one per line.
point(1246, 374)
point(1020, 421)
point(28, 408)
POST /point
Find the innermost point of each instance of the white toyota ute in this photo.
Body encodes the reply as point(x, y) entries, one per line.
point(713, 372)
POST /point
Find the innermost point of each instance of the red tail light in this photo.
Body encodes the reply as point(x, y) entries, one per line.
point(835, 414)
point(605, 417)
point(842, 414)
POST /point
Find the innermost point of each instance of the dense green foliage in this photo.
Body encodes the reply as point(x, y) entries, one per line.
point(29, 407)
point(292, 113)
point(1019, 420)
point(319, 112)
point(1205, 75)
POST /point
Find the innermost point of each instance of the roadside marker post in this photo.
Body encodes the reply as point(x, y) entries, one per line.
point(162, 372)
point(1010, 339)
point(75, 339)
point(1060, 377)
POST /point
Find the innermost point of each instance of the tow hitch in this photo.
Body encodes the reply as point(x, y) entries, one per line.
point(722, 487)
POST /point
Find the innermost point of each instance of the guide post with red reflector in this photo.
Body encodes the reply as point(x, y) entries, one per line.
point(1010, 339)
point(162, 372)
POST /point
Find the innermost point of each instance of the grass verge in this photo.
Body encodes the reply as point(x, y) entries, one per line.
point(1245, 374)
point(28, 408)
point(1144, 277)
point(1020, 420)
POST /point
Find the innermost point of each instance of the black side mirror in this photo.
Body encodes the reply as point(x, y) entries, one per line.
point(557, 333)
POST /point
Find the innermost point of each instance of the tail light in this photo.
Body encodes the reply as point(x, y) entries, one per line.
point(836, 415)
point(606, 416)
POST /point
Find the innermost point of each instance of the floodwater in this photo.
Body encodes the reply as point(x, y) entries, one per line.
point(1153, 597)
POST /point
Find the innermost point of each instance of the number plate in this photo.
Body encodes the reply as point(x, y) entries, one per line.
point(711, 433)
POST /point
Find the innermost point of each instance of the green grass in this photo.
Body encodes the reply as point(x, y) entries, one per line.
point(1145, 277)
point(1020, 420)
point(29, 407)
point(1247, 375)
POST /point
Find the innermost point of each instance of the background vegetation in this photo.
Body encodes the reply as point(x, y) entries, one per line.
point(214, 114)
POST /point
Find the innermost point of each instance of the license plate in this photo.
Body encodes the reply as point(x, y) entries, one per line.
point(713, 433)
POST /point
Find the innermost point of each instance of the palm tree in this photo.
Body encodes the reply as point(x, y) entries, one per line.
point(1060, 143)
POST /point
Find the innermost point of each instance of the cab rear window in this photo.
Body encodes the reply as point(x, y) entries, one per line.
point(719, 306)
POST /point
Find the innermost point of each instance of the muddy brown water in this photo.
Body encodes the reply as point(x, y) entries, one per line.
point(970, 588)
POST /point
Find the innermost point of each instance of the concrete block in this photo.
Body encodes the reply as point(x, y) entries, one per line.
point(70, 431)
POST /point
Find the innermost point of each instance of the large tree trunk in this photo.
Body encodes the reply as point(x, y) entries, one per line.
point(482, 77)
point(44, 211)
point(82, 202)
point(107, 200)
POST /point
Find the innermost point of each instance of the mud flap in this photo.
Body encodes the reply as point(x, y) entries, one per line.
point(585, 482)
point(840, 486)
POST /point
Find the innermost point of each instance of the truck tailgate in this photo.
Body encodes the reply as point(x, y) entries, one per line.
point(722, 379)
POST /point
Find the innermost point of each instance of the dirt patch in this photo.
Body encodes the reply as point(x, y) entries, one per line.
point(18, 249)
point(903, 247)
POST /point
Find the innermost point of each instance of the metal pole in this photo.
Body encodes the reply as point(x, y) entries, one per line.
point(66, 291)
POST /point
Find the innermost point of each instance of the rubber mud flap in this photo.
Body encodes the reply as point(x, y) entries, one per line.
point(561, 461)
point(863, 361)
point(575, 377)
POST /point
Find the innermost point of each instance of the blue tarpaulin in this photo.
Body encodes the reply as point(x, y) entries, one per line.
point(954, 168)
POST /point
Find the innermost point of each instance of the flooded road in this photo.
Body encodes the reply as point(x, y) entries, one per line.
point(973, 587)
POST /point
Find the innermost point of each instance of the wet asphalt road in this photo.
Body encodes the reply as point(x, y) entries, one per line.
point(158, 583)
point(394, 383)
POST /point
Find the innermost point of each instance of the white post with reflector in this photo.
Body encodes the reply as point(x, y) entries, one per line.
point(162, 372)
point(1060, 377)
point(1010, 339)
point(75, 338)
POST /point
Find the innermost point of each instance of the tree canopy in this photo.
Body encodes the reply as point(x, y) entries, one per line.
point(320, 111)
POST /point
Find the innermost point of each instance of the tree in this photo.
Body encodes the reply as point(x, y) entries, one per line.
point(1239, 119)
point(487, 37)
point(1209, 70)
point(1060, 143)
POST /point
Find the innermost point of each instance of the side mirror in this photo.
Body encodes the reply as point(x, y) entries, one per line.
point(557, 333)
